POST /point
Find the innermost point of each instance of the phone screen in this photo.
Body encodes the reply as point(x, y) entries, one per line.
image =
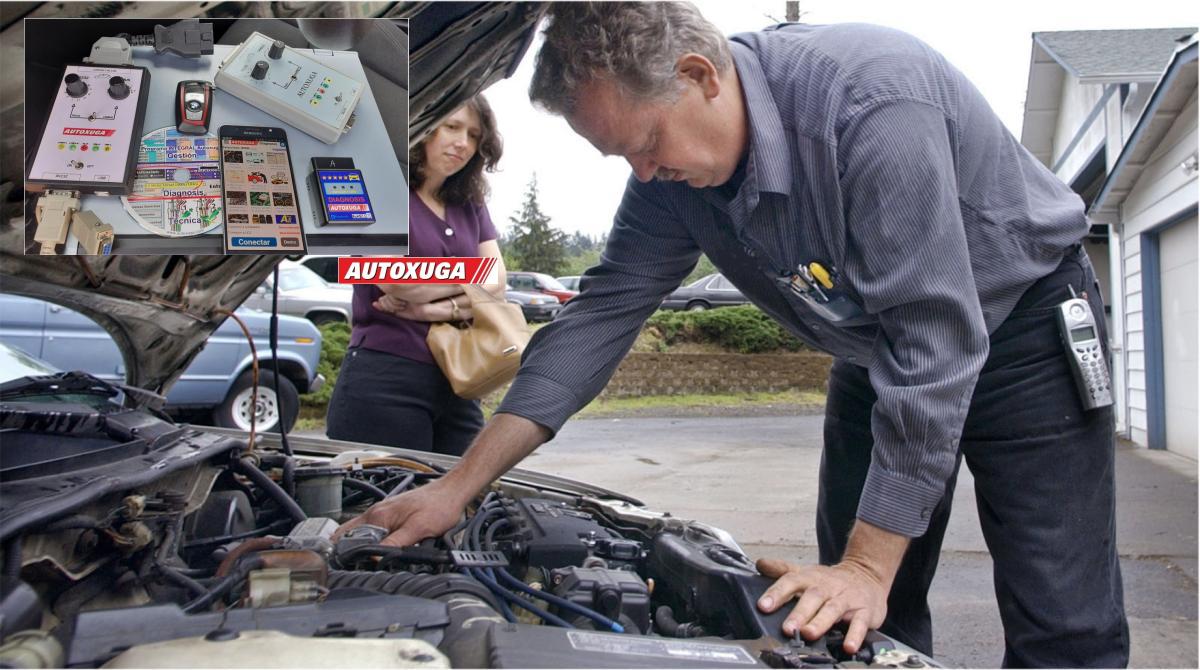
point(1083, 334)
point(261, 212)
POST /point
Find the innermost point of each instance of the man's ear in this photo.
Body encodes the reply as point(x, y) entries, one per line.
point(700, 71)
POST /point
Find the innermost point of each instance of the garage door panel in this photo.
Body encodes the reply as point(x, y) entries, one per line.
point(1179, 282)
point(1177, 246)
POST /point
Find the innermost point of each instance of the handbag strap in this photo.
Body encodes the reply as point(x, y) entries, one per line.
point(478, 294)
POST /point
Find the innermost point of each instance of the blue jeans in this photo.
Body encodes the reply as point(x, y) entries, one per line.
point(1044, 487)
point(394, 401)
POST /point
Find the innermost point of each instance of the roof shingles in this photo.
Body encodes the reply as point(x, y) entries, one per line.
point(1099, 53)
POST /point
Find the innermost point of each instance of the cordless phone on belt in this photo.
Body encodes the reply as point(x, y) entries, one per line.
point(1081, 337)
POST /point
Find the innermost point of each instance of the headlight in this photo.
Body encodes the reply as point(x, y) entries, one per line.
point(537, 301)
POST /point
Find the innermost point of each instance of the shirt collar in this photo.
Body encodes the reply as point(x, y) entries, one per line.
point(770, 164)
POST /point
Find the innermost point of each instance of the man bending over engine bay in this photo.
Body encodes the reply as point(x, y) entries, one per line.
point(857, 188)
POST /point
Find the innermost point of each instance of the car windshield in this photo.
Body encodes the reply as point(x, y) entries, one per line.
point(15, 364)
point(298, 277)
point(699, 283)
point(548, 282)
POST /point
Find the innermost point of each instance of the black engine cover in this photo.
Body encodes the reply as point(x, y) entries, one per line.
point(554, 534)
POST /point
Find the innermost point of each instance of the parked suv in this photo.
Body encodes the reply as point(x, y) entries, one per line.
point(536, 282)
point(218, 381)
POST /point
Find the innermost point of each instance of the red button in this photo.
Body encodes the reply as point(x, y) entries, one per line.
point(83, 148)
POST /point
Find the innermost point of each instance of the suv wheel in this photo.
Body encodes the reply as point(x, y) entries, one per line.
point(236, 410)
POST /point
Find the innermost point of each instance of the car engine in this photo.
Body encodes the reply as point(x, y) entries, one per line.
point(132, 541)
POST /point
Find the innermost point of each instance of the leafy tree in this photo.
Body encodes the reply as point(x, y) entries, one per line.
point(535, 245)
point(703, 269)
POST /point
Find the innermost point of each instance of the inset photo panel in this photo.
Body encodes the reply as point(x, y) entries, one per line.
point(211, 134)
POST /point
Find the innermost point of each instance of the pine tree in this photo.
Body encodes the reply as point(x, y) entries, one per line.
point(533, 244)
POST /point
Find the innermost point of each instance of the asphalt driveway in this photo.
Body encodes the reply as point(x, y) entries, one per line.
point(756, 477)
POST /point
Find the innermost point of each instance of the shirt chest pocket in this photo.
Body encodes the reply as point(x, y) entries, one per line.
point(820, 289)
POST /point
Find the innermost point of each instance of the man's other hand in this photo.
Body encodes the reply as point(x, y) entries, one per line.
point(828, 594)
point(411, 517)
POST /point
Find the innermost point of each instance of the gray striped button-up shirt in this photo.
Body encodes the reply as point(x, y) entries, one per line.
point(872, 155)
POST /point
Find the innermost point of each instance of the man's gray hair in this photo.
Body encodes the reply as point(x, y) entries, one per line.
point(635, 44)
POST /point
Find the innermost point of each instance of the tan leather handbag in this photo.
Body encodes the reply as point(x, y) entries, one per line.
point(483, 355)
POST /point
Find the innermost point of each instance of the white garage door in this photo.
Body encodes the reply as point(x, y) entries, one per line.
point(1180, 316)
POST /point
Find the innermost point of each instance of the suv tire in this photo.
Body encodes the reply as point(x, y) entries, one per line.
point(234, 411)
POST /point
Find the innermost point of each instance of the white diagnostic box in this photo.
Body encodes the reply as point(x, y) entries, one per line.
point(90, 140)
point(291, 86)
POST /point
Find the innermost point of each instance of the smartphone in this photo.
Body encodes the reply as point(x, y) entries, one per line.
point(262, 212)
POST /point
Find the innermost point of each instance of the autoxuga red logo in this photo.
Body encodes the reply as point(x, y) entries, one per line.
point(416, 270)
point(89, 132)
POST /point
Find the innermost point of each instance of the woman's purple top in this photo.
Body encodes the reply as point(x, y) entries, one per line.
point(459, 234)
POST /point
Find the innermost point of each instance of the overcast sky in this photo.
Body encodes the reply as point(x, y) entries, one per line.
point(989, 41)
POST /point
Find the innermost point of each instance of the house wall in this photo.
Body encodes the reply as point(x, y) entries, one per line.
point(1162, 191)
point(1078, 101)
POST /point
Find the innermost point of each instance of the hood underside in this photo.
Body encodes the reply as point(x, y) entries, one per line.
point(158, 309)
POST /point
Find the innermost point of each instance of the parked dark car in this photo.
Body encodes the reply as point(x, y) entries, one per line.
point(536, 282)
point(326, 267)
point(706, 293)
point(535, 306)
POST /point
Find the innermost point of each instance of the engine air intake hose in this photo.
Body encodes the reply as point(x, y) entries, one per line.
point(470, 605)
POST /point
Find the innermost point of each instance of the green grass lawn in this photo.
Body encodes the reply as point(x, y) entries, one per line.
point(313, 418)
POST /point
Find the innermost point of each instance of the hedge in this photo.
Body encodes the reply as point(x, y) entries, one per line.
point(743, 329)
point(335, 339)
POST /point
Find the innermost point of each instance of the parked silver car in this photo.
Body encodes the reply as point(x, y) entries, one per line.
point(303, 293)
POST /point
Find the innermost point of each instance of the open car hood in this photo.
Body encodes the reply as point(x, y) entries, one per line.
point(459, 49)
point(158, 309)
point(161, 309)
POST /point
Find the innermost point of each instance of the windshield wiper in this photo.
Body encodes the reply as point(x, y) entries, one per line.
point(79, 383)
point(62, 383)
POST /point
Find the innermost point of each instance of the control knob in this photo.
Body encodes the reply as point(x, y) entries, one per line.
point(118, 88)
point(76, 87)
point(276, 50)
point(260, 70)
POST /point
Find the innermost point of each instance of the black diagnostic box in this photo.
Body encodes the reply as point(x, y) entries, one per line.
point(339, 192)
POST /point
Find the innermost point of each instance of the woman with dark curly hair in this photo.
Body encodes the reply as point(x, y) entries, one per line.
point(390, 391)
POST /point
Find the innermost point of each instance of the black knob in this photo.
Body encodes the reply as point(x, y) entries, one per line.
point(260, 69)
point(276, 50)
point(76, 87)
point(118, 88)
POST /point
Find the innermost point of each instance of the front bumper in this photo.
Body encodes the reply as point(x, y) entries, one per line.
point(541, 312)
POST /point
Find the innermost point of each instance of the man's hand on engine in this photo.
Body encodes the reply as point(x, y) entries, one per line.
point(855, 590)
point(828, 594)
point(411, 517)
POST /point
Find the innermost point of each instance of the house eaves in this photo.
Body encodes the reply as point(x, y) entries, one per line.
point(1087, 57)
point(1174, 89)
